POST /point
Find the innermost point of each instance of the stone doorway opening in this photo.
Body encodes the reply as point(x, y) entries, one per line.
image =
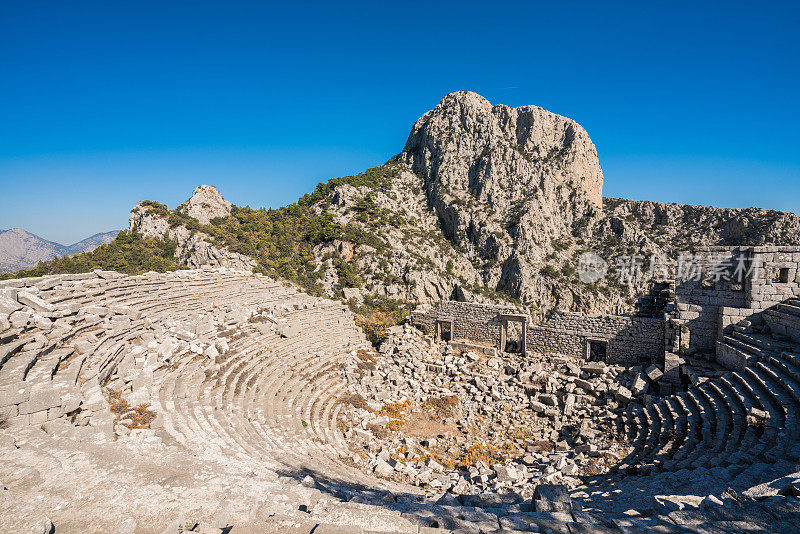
point(444, 330)
point(513, 337)
point(512, 333)
point(596, 350)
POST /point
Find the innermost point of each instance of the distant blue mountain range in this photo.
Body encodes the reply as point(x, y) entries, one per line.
point(20, 249)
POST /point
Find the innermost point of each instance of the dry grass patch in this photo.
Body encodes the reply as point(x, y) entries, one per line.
point(355, 400)
point(443, 406)
point(396, 412)
point(140, 416)
point(380, 432)
point(473, 454)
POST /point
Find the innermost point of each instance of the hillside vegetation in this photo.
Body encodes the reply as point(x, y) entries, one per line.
point(128, 253)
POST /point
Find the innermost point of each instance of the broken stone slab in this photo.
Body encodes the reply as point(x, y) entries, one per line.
point(779, 486)
point(383, 469)
point(672, 365)
point(549, 399)
point(71, 402)
point(673, 503)
point(100, 311)
point(8, 306)
point(623, 394)
point(538, 407)
point(551, 498)
point(211, 352)
point(32, 301)
point(595, 368)
point(506, 473)
point(19, 318)
point(584, 385)
point(289, 330)
point(569, 404)
point(756, 416)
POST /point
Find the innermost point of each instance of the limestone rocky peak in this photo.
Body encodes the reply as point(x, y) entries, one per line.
point(501, 152)
point(207, 203)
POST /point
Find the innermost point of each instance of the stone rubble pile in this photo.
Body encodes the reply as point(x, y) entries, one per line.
point(555, 419)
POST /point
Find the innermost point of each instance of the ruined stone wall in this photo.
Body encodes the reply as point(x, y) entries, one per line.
point(708, 307)
point(630, 339)
point(730, 357)
point(699, 311)
point(783, 323)
point(699, 295)
point(765, 288)
point(476, 322)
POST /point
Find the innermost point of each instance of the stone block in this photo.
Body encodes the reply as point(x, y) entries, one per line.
point(383, 469)
point(8, 306)
point(639, 385)
point(289, 330)
point(70, 402)
point(594, 368)
point(38, 418)
point(32, 301)
point(551, 498)
point(19, 319)
point(654, 373)
point(623, 394)
point(672, 363)
point(13, 394)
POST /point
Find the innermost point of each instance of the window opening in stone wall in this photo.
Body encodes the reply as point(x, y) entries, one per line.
point(782, 276)
point(598, 351)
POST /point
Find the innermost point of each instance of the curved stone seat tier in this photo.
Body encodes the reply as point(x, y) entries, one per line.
point(268, 396)
point(739, 424)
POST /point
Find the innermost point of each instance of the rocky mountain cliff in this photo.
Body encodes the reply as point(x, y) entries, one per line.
point(20, 249)
point(484, 203)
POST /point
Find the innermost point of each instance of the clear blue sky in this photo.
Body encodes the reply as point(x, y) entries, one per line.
point(106, 103)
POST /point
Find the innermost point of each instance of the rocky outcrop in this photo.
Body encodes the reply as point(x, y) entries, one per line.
point(194, 249)
point(502, 154)
point(206, 204)
point(506, 183)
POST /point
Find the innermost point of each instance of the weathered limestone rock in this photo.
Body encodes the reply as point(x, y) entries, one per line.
point(551, 498)
point(28, 299)
point(207, 203)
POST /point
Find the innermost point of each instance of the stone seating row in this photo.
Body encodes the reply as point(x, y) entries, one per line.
point(728, 421)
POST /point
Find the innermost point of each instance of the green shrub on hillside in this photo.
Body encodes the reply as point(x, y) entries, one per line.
point(378, 313)
point(282, 240)
point(377, 178)
point(550, 271)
